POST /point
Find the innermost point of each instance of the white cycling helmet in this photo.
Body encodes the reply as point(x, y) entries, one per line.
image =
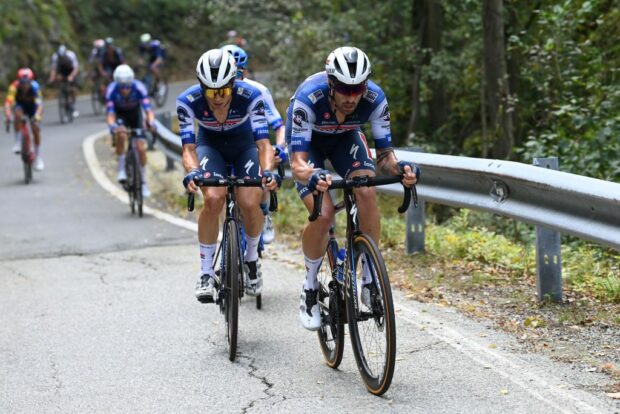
point(348, 65)
point(99, 43)
point(216, 68)
point(123, 74)
point(145, 38)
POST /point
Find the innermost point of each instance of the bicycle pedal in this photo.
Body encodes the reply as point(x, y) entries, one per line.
point(206, 299)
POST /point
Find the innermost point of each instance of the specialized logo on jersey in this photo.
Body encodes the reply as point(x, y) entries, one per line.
point(248, 165)
point(244, 92)
point(370, 95)
point(182, 115)
point(385, 114)
point(299, 116)
point(259, 108)
point(203, 163)
point(315, 96)
point(353, 150)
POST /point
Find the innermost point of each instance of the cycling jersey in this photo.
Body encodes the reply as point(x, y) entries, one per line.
point(66, 63)
point(138, 96)
point(110, 61)
point(15, 95)
point(154, 49)
point(246, 115)
point(95, 55)
point(271, 112)
point(312, 114)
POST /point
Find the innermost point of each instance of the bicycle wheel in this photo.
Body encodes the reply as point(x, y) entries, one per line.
point(161, 91)
point(130, 169)
point(62, 105)
point(137, 184)
point(95, 100)
point(231, 287)
point(27, 155)
point(371, 325)
point(331, 305)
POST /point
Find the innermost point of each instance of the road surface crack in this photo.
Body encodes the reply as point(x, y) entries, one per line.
point(253, 372)
point(55, 375)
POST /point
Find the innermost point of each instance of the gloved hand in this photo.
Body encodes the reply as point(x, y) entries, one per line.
point(269, 177)
point(317, 176)
point(409, 177)
point(282, 153)
point(113, 127)
point(191, 176)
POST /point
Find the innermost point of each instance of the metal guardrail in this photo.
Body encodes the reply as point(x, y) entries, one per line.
point(561, 202)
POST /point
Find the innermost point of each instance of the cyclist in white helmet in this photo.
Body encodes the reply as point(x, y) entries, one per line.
point(126, 97)
point(323, 122)
point(275, 123)
point(232, 129)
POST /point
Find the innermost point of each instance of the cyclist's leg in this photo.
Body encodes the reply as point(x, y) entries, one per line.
point(18, 116)
point(351, 157)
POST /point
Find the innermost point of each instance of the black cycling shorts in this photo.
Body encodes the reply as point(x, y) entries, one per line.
point(218, 151)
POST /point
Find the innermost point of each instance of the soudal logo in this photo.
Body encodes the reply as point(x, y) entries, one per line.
point(207, 174)
point(326, 115)
point(356, 164)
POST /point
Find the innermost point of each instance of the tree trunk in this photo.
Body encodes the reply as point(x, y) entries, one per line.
point(437, 107)
point(497, 89)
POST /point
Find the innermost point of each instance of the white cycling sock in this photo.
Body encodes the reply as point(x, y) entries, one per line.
point(121, 162)
point(251, 248)
point(312, 268)
point(207, 251)
point(367, 276)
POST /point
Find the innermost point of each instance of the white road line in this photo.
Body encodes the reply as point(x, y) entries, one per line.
point(88, 146)
point(533, 383)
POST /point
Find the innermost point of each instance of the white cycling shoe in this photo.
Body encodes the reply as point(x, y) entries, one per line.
point(122, 176)
point(145, 191)
point(269, 232)
point(309, 314)
point(254, 278)
point(17, 147)
point(205, 289)
point(39, 165)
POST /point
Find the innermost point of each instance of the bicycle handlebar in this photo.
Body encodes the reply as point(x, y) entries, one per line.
point(366, 181)
point(228, 182)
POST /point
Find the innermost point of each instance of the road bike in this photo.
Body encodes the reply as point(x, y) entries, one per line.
point(27, 149)
point(341, 289)
point(157, 87)
point(133, 184)
point(65, 106)
point(229, 278)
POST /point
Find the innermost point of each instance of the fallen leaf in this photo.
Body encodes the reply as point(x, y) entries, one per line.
point(615, 395)
point(504, 391)
point(492, 346)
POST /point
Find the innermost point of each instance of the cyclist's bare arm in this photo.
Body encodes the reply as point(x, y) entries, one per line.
point(302, 171)
point(190, 162)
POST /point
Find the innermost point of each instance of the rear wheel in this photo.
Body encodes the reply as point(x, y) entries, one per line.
point(137, 185)
point(95, 100)
point(371, 325)
point(130, 170)
point(27, 155)
point(331, 332)
point(62, 106)
point(160, 92)
point(231, 287)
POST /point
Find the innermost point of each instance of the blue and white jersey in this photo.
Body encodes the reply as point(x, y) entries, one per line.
point(312, 113)
point(246, 114)
point(154, 49)
point(271, 112)
point(116, 101)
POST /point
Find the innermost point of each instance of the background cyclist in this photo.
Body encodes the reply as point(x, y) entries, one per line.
point(232, 129)
point(24, 99)
point(111, 58)
point(125, 99)
point(65, 66)
point(274, 121)
point(323, 122)
point(152, 54)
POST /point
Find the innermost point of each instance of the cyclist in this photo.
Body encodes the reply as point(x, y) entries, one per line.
point(125, 99)
point(323, 122)
point(155, 54)
point(232, 129)
point(95, 56)
point(65, 66)
point(24, 99)
point(275, 123)
point(111, 58)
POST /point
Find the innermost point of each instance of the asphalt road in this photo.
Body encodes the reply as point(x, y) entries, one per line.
point(97, 314)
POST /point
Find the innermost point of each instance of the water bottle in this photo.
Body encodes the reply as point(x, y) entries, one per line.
point(342, 253)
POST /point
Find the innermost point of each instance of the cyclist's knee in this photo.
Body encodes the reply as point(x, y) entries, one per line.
point(249, 199)
point(213, 202)
point(364, 195)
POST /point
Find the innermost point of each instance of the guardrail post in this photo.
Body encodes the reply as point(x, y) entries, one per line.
point(548, 257)
point(415, 231)
point(166, 119)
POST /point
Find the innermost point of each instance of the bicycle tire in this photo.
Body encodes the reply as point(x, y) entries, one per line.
point(138, 185)
point(95, 100)
point(26, 153)
point(62, 103)
point(376, 372)
point(231, 283)
point(331, 331)
point(130, 183)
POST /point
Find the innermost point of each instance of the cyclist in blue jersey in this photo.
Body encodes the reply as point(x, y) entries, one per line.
point(111, 57)
point(232, 130)
point(323, 122)
point(274, 121)
point(152, 53)
point(125, 99)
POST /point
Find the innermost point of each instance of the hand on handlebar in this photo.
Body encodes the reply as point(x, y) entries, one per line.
point(189, 181)
point(272, 181)
point(319, 181)
point(410, 172)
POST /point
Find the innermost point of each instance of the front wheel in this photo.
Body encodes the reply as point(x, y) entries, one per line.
point(371, 316)
point(331, 307)
point(231, 287)
point(160, 92)
point(62, 107)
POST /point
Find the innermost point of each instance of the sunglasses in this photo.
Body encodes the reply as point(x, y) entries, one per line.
point(350, 90)
point(124, 85)
point(213, 92)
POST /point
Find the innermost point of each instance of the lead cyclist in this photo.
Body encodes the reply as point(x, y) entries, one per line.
point(323, 122)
